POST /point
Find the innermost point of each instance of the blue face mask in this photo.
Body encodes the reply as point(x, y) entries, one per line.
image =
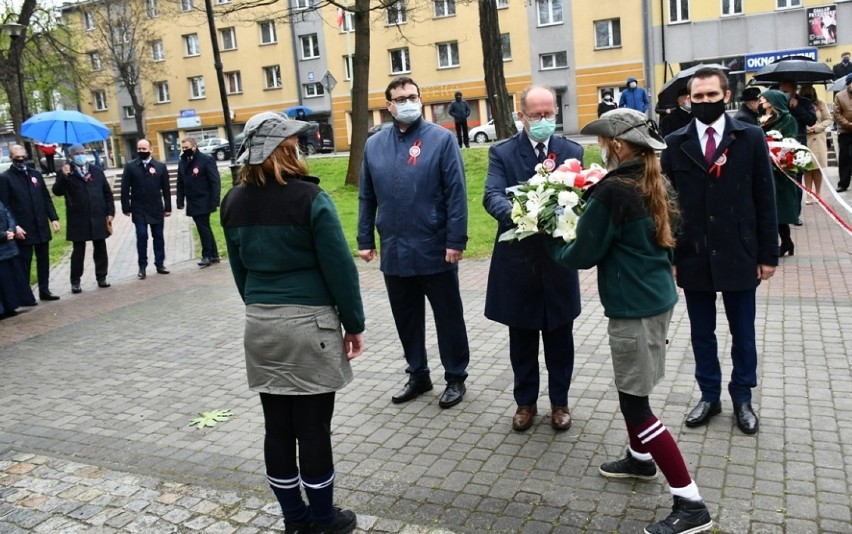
point(408, 112)
point(542, 130)
point(79, 159)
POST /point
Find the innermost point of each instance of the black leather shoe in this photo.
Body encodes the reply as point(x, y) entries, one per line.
point(205, 262)
point(215, 259)
point(75, 288)
point(452, 395)
point(411, 390)
point(841, 189)
point(47, 295)
point(746, 418)
point(162, 270)
point(141, 274)
point(103, 283)
point(701, 414)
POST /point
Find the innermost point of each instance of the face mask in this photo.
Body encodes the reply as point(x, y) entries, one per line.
point(632, 85)
point(408, 112)
point(186, 153)
point(605, 156)
point(760, 109)
point(79, 159)
point(458, 99)
point(608, 98)
point(19, 162)
point(846, 60)
point(542, 130)
point(687, 106)
point(708, 112)
point(143, 155)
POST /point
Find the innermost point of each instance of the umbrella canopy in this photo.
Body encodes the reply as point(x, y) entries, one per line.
point(667, 97)
point(799, 69)
point(293, 111)
point(65, 127)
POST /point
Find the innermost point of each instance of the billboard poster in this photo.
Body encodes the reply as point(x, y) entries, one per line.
point(822, 25)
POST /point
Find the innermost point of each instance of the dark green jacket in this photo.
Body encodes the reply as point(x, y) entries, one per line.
point(616, 233)
point(286, 246)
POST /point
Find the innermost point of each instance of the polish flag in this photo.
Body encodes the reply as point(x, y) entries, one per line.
point(340, 15)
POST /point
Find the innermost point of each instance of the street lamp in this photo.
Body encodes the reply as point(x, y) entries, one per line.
point(16, 31)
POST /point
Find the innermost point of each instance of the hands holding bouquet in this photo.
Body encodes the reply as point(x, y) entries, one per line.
point(550, 201)
point(790, 156)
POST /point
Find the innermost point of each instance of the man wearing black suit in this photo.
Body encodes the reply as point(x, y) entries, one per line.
point(146, 197)
point(527, 291)
point(199, 184)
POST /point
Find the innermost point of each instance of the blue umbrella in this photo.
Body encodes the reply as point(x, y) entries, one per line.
point(293, 111)
point(65, 127)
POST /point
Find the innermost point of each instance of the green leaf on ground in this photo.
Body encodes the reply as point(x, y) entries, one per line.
point(210, 419)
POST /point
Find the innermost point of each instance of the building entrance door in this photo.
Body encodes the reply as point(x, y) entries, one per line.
point(171, 146)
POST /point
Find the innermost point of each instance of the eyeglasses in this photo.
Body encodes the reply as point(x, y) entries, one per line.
point(538, 116)
point(403, 99)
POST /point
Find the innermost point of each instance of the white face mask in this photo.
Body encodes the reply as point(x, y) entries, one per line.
point(605, 156)
point(408, 112)
point(632, 85)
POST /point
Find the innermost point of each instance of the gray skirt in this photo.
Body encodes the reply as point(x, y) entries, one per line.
point(294, 350)
point(639, 352)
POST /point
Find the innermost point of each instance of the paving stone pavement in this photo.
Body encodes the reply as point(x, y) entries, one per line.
point(98, 389)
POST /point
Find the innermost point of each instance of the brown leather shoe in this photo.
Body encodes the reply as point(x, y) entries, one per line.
point(560, 417)
point(523, 418)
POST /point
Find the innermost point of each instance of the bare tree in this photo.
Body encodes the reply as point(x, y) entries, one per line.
point(492, 65)
point(10, 67)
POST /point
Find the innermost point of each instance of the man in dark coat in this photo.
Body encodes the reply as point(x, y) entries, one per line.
point(528, 291)
point(844, 68)
point(24, 193)
point(748, 109)
point(145, 195)
point(89, 210)
point(672, 119)
point(199, 184)
point(460, 111)
point(727, 242)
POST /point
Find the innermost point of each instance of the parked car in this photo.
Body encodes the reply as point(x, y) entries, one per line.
point(378, 128)
point(222, 151)
point(486, 132)
point(207, 145)
point(318, 138)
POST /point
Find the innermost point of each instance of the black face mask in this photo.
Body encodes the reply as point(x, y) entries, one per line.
point(708, 112)
point(19, 162)
point(187, 153)
point(760, 109)
point(143, 155)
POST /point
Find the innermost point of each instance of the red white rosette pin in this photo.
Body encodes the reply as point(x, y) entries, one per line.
point(195, 170)
point(152, 170)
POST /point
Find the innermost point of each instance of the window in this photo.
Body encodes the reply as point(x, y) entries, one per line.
point(448, 55)
point(267, 32)
point(191, 44)
point(310, 46)
point(129, 112)
point(272, 77)
point(233, 82)
point(88, 20)
point(228, 36)
point(158, 53)
point(549, 12)
point(555, 60)
point(784, 4)
point(506, 45)
point(99, 99)
point(162, 90)
point(220, 2)
point(186, 5)
point(396, 13)
point(607, 33)
point(502, 4)
point(399, 61)
point(314, 89)
point(152, 8)
point(679, 10)
point(347, 67)
point(95, 59)
point(732, 7)
point(303, 4)
point(348, 22)
point(445, 8)
point(196, 87)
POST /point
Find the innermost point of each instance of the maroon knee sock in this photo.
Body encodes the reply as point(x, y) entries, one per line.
point(653, 437)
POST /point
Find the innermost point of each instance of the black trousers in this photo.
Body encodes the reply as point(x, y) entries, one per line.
point(558, 358)
point(99, 254)
point(298, 419)
point(42, 255)
point(205, 234)
point(461, 134)
point(844, 159)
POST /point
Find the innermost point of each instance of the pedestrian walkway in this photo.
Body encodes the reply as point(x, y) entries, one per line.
point(98, 390)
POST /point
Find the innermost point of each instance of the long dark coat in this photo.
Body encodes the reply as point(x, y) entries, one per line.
point(27, 198)
point(729, 223)
point(87, 204)
point(526, 288)
point(198, 183)
point(145, 192)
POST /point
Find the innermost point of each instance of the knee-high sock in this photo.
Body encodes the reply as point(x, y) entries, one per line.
point(653, 437)
point(289, 495)
point(320, 492)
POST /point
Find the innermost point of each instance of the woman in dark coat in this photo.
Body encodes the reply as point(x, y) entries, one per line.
point(14, 287)
point(777, 117)
point(89, 208)
point(607, 103)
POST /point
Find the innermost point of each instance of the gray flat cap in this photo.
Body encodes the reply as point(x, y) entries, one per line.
point(629, 125)
point(264, 132)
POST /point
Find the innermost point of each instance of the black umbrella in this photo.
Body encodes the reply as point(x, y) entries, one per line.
point(799, 69)
point(667, 97)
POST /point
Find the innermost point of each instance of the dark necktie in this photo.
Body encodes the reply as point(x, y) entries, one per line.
point(710, 147)
point(541, 155)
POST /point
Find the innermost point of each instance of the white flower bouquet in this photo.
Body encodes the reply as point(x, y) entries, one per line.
point(788, 154)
